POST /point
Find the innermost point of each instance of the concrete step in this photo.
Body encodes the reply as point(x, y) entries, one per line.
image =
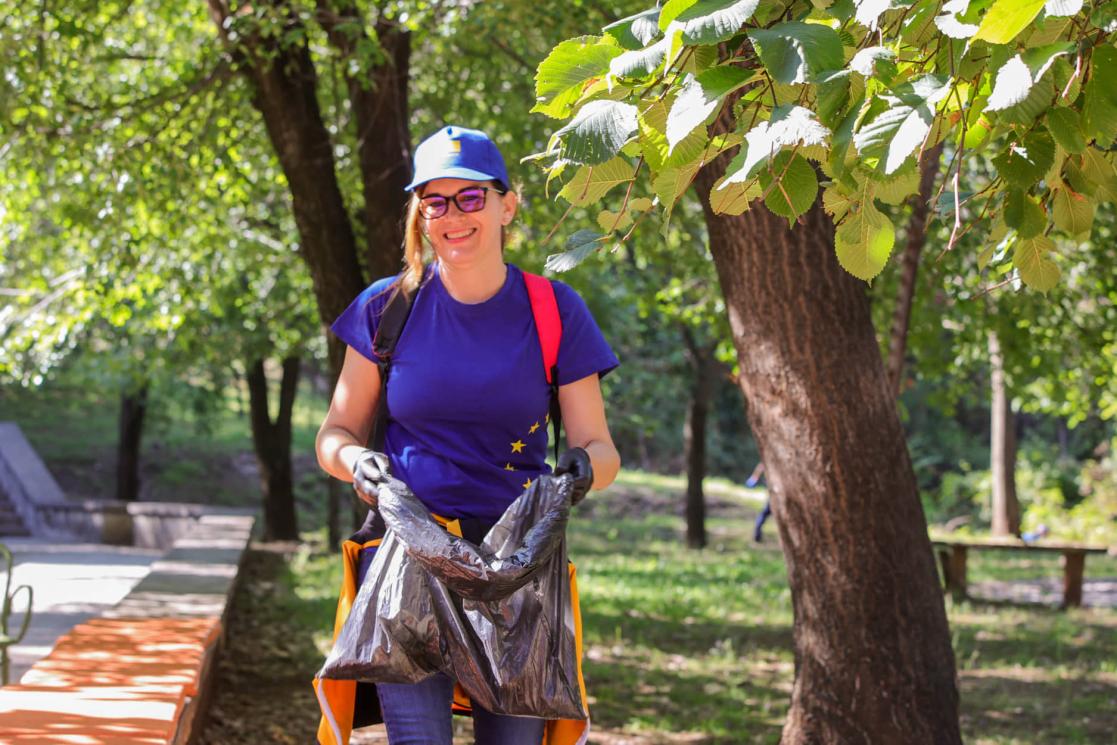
point(12, 525)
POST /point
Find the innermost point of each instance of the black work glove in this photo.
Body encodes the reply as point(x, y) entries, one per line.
point(370, 472)
point(576, 462)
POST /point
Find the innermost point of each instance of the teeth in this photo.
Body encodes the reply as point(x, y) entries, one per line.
point(460, 234)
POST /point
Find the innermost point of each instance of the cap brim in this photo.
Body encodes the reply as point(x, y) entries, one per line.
point(464, 173)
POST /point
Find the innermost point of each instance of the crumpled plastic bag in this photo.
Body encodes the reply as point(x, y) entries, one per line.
point(497, 618)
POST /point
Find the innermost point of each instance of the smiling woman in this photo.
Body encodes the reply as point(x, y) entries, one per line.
point(467, 400)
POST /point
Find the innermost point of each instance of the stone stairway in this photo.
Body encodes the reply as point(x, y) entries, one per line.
point(11, 524)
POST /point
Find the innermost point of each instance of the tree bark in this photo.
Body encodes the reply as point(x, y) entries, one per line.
point(909, 266)
point(874, 662)
point(694, 437)
point(285, 84)
point(133, 407)
point(1002, 449)
point(272, 442)
point(380, 105)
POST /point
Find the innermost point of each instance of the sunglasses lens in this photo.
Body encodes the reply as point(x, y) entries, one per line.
point(433, 207)
point(471, 200)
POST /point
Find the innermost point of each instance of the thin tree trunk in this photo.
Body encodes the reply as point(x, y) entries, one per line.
point(272, 442)
point(1006, 507)
point(909, 266)
point(133, 408)
point(694, 438)
point(873, 658)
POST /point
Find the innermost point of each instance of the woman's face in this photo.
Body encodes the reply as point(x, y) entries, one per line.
point(465, 238)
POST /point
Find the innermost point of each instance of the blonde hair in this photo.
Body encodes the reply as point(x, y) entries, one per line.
point(414, 246)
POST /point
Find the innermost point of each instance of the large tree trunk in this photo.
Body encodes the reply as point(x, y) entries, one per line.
point(133, 407)
point(272, 443)
point(909, 266)
point(694, 437)
point(286, 94)
point(1006, 508)
point(873, 657)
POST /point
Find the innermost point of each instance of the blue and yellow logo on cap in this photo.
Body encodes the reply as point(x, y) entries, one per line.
point(455, 146)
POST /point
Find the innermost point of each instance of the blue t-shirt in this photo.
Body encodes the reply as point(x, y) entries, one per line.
point(468, 401)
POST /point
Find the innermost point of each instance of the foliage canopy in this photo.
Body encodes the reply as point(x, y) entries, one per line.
point(856, 90)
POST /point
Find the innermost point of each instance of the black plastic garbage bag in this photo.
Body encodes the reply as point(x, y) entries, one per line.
point(497, 618)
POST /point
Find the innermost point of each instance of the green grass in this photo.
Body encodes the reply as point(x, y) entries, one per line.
point(680, 646)
point(187, 454)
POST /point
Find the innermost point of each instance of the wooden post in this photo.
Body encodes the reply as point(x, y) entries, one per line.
point(1074, 566)
point(957, 574)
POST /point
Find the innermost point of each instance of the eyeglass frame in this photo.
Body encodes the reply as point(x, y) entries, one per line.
point(454, 198)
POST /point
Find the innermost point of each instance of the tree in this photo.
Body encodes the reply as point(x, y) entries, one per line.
point(858, 90)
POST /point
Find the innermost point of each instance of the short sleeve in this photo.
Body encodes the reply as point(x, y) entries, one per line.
point(356, 326)
point(583, 349)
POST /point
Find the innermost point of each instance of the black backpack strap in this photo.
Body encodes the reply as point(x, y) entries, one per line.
point(556, 411)
point(388, 332)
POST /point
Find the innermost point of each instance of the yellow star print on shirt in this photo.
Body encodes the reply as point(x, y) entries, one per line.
point(517, 446)
point(533, 428)
point(508, 467)
point(527, 483)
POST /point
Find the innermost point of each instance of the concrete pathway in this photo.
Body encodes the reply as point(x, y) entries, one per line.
point(72, 584)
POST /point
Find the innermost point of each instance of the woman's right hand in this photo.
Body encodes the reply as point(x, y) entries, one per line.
point(370, 472)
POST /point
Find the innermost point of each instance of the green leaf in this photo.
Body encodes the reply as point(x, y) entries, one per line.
point(1099, 112)
point(670, 183)
point(865, 61)
point(1030, 257)
point(610, 221)
point(864, 241)
point(870, 11)
point(986, 256)
point(791, 185)
point(578, 246)
point(952, 27)
point(895, 189)
point(706, 21)
point(700, 97)
point(789, 126)
point(1006, 19)
point(833, 96)
point(1034, 106)
point(733, 199)
point(637, 30)
point(1014, 81)
point(793, 52)
point(1024, 163)
point(1065, 126)
point(590, 183)
point(1099, 171)
point(1062, 8)
point(898, 131)
point(564, 73)
point(837, 202)
point(1023, 214)
point(597, 132)
point(639, 62)
point(1073, 213)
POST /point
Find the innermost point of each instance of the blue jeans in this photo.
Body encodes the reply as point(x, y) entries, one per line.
point(419, 714)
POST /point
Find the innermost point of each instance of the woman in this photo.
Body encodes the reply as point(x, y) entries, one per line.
point(467, 396)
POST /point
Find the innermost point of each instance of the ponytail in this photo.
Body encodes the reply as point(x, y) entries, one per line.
point(413, 246)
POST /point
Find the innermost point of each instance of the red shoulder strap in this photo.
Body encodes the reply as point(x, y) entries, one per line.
point(547, 322)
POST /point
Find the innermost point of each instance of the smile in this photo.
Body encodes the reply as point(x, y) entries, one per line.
point(459, 234)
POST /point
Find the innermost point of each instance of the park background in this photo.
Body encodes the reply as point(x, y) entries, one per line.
point(161, 341)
